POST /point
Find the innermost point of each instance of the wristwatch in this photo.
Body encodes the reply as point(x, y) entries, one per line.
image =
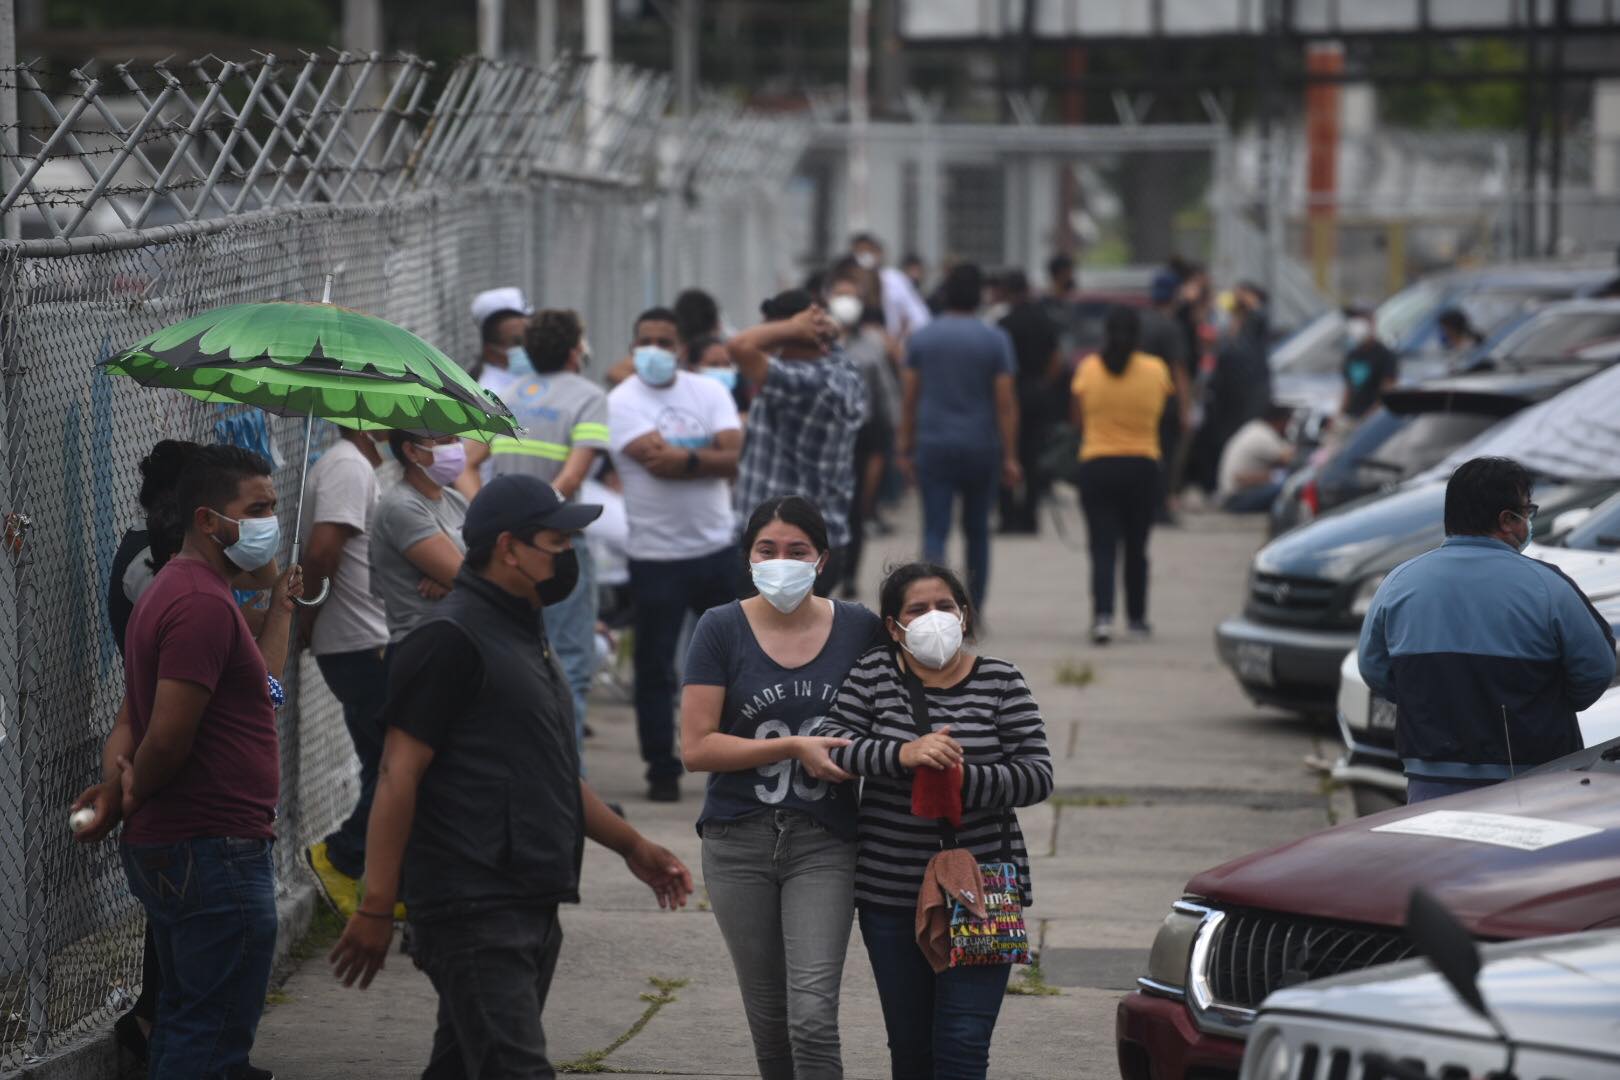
point(691, 462)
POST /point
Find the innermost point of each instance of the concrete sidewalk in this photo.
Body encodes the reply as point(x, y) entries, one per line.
point(1163, 768)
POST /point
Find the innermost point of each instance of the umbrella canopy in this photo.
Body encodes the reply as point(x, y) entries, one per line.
point(308, 359)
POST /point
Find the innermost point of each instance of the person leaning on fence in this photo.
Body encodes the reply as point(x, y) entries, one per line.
point(480, 816)
point(982, 721)
point(778, 820)
point(1487, 655)
point(192, 769)
point(348, 635)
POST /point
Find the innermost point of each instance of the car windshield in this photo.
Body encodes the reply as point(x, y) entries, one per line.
point(1560, 336)
point(1427, 439)
point(1398, 316)
point(1600, 531)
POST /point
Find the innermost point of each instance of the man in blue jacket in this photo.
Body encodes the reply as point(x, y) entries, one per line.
point(1487, 655)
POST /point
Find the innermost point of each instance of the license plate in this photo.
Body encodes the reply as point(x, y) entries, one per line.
point(1254, 663)
point(1381, 715)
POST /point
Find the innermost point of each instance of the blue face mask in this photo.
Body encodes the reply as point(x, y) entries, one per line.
point(518, 363)
point(656, 366)
point(725, 376)
point(257, 540)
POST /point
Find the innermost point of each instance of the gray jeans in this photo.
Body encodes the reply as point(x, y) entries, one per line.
point(783, 889)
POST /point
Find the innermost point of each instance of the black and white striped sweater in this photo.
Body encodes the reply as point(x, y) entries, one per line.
point(1006, 764)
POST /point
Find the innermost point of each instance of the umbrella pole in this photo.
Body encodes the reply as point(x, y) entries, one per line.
point(298, 526)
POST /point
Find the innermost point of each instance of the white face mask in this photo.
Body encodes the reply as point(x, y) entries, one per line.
point(846, 309)
point(1356, 331)
point(866, 260)
point(934, 638)
point(784, 583)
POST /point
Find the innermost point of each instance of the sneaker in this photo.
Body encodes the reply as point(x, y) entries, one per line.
point(664, 789)
point(340, 890)
point(1102, 631)
point(1141, 630)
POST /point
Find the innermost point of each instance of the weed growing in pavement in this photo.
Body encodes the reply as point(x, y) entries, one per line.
point(325, 927)
point(1076, 673)
point(661, 994)
point(1033, 984)
point(277, 997)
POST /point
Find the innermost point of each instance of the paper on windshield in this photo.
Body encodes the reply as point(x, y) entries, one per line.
point(1500, 830)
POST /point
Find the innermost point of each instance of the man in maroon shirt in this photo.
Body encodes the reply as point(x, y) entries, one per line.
point(192, 768)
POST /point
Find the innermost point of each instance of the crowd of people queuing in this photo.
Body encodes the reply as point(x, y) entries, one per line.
point(715, 492)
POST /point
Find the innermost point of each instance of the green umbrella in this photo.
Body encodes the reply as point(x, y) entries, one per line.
point(316, 360)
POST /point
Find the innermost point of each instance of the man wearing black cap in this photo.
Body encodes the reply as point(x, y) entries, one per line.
point(479, 810)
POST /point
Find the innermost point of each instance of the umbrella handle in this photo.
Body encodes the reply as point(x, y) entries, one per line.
point(326, 590)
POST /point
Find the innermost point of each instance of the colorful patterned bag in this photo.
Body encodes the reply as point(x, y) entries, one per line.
point(1000, 937)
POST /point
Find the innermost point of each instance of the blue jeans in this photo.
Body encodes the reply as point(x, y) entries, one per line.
point(359, 680)
point(211, 904)
point(571, 626)
point(663, 593)
point(943, 472)
point(1255, 500)
point(939, 1025)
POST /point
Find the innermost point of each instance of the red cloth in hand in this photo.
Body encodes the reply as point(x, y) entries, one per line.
point(937, 793)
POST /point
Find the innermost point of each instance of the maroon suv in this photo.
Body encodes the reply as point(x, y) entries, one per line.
point(1539, 855)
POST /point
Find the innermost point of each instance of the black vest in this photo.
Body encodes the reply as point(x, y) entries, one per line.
point(499, 820)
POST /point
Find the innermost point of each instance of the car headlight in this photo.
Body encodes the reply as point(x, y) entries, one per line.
point(1365, 593)
point(1268, 1058)
point(1167, 963)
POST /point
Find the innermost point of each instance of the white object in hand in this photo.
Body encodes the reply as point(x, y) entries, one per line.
point(80, 820)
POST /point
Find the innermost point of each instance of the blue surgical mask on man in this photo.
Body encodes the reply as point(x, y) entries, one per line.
point(725, 376)
point(257, 541)
point(655, 365)
point(517, 362)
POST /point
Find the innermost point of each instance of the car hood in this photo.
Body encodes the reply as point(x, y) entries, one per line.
point(1354, 873)
point(1596, 572)
point(1561, 992)
point(1361, 538)
point(1378, 533)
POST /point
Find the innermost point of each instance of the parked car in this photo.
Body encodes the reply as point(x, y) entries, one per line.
point(1570, 331)
point(1309, 589)
point(1305, 366)
point(1524, 859)
point(1557, 998)
point(1369, 766)
point(1413, 430)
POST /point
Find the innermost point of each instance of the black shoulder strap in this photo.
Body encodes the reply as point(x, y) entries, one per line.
point(919, 719)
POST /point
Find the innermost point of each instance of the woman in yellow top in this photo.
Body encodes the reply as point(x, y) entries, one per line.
point(1119, 395)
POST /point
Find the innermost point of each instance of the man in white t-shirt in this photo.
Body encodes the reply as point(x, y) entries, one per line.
point(347, 634)
point(1255, 462)
point(675, 439)
point(903, 309)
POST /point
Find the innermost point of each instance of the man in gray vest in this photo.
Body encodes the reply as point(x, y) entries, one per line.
point(479, 810)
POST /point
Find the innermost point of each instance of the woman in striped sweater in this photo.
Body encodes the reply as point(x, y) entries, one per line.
point(981, 716)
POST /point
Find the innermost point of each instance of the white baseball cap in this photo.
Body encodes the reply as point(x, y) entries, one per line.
point(507, 298)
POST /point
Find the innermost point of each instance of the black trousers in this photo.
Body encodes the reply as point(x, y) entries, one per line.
point(1119, 496)
point(493, 971)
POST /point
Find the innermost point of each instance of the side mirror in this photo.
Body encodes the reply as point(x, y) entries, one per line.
point(1448, 945)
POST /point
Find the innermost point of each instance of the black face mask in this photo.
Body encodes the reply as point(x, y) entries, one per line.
point(564, 577)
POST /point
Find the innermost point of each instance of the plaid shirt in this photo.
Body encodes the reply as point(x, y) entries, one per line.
point(801, 438)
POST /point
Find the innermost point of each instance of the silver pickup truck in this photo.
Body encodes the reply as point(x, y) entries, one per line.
point(1556, 1000)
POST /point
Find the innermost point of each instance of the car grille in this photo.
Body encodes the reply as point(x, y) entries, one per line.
point(1255, 953)
point(1281, 598)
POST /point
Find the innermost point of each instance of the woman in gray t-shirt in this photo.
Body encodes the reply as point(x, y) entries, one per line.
point(416, 544)
point(778, 821)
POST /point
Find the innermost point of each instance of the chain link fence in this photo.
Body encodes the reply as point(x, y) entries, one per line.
point(272, 177)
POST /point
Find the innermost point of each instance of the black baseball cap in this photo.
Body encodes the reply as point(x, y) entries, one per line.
point(522, 504)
